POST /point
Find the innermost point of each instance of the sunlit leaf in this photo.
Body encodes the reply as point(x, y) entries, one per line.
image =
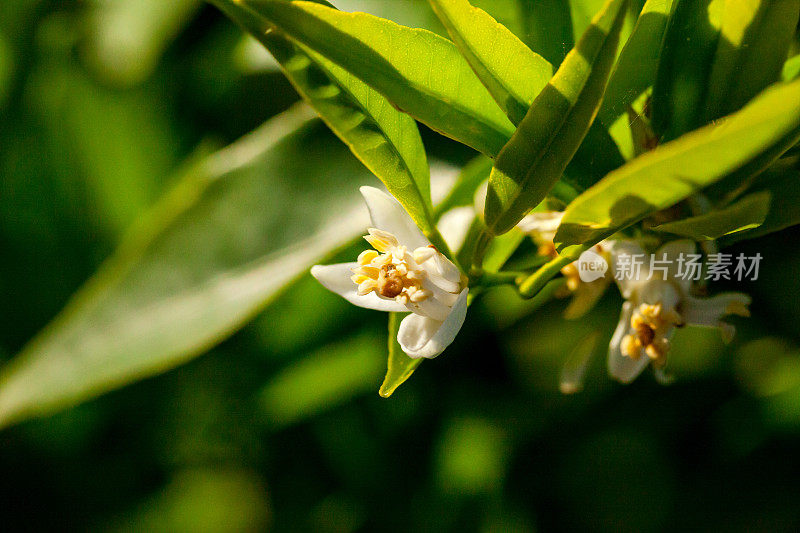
point(679, 168)
point(754, 41)
point(635, 69)
point(745, 214)
point(210, 255)
point(791, 69)
point(686, 56)
point(399, 366)
point(717, 55)
point(384, 139)
point(419, 71)
point(512, 72)
point(555, 125)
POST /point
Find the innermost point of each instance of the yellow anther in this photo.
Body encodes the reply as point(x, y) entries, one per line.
point(358, 279)
point(366, 287)
point(377, 243)
point(366, 257)
point(630, 347)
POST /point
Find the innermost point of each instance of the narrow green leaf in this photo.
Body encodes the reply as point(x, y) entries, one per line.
point(512, 72)
point(225, 241)
point(677, 169)
point(717, 55)
point(755, 36)
point(501, 249)
point(636, 67)
point(690, 43)
point(548, 28)
point(417, 70)
point(384, 139)
point(791, 69)
point(400, 366)
point(556, 124)
point(747, 213)
point(784, 187)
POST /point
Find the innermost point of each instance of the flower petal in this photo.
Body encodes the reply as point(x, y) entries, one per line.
point(455, 224)
point(543, 223)
point(424, 337)
point(336, 278)
point(388, 215)
point(627, 283)
point(621, 367)
point(673, 251)
point(708, 312)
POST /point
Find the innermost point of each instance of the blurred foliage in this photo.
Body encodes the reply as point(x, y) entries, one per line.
point(105, 104)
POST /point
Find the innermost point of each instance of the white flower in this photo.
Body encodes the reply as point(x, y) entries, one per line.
point(403, 273)
point(654, 307)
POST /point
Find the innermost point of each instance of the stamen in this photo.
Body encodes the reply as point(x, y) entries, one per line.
point(366, 257)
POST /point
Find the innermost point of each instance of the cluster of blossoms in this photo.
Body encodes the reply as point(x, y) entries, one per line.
point(404, 272)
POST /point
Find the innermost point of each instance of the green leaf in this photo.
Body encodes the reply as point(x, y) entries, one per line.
point(636, 67)
point(747, 213)
point(208, 257)
point(419, 71)
point(690, 43)
point(512, 72)
point(548, 28)
point(501, 249)
point(675, 170)
point(384, 139)
point(791, 69)
point(784, 187)
point(755, 36)
point(556, 124)
point(400, 366)
point(717, 55)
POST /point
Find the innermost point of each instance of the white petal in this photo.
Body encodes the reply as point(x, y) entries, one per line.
point(443, 273)
point(424, 337)
point(632, 250)
point(621, 367)
point(709, 311)
point(455, 224)
point(336, 278)
point(388, 215)
point(673, 251)
point(543, 223)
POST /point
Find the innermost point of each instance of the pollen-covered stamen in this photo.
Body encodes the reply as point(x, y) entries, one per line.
point(392, 272)
point(650, 326)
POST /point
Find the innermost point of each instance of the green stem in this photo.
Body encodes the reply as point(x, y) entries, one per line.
point(536, 281)
point(481, 246)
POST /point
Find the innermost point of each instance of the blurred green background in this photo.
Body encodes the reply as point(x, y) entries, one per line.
point(280, 427)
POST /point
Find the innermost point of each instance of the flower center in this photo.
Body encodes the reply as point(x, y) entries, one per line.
point(650, 325)
point(391, 271)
